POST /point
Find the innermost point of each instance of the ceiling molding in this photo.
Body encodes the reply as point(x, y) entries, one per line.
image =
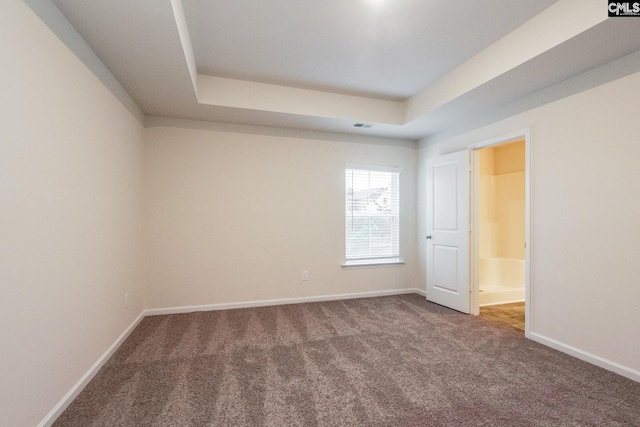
point(154, 122)
point(147, 45)
point(62, 28)
point(533, 38)
point(282, 99)
point(185, 41)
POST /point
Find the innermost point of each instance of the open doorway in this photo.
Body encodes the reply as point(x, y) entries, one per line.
point(499, 249)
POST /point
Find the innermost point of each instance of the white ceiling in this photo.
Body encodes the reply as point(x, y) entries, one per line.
point(377, 48)
point(411, 68)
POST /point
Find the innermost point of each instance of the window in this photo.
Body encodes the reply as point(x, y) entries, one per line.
point(372, 215)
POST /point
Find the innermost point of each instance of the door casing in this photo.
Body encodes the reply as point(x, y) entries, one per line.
point(474, 244)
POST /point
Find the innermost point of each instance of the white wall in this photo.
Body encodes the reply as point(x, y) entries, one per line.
point(70, 218)
point(585, 211)
point(72, 166)
point(237, 216)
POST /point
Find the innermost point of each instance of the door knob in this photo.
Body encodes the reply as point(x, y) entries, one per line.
point(428, 236)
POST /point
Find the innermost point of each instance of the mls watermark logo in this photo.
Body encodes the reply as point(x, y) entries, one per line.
point(624, 8)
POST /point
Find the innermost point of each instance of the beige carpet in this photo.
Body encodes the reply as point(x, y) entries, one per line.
point(391, 361)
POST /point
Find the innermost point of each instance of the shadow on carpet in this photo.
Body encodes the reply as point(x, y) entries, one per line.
point(388, 361)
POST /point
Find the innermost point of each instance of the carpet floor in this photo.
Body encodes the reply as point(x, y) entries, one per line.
point(389, 361)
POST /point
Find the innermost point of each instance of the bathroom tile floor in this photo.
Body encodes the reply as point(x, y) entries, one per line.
point(510, 315)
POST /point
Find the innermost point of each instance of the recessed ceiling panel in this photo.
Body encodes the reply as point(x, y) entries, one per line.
point(418, 68)
point(385, 49)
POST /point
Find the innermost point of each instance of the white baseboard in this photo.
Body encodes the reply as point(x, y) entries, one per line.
point(88, 376)
point(284, 301)
point(587, 357)
point(501, 303)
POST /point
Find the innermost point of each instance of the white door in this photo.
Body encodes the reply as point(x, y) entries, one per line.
point(448, 231)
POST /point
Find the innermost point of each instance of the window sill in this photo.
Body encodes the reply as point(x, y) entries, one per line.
point(373, 263)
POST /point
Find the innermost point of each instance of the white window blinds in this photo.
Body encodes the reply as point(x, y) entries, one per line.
point(372, 214)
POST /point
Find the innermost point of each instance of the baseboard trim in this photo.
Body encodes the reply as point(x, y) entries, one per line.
point(57, 410)
point(270, 302)
point(88, 376)
point(619, 369)
point(500, 303)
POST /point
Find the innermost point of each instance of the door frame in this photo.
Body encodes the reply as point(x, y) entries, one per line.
point(474, 247)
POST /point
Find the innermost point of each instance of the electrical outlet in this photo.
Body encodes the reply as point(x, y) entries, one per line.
point(305, 275)
point(126, 300)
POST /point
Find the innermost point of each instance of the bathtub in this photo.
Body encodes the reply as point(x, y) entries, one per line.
point(501, 280)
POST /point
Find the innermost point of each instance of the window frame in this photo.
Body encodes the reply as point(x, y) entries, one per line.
point(383, 261)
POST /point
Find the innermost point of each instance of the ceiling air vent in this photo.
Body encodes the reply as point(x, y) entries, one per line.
point(363, 125)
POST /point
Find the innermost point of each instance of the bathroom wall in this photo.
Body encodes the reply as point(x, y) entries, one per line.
point(502, 201)
point(487, 217)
